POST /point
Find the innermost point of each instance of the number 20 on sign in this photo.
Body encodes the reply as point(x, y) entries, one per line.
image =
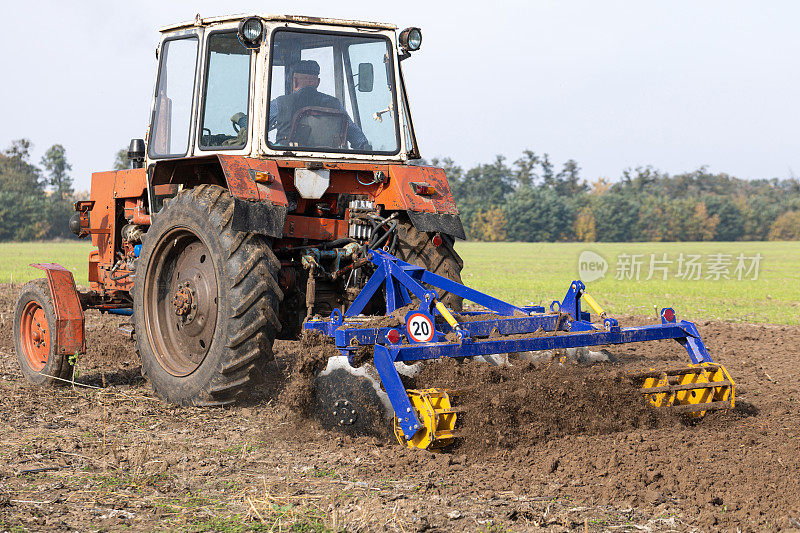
point(419, 327)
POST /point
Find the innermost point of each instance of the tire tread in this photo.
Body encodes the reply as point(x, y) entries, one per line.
point(416, 247)
point(251, 324)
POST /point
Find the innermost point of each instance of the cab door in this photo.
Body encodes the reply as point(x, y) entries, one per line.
point(225, 113)
point(174, 102)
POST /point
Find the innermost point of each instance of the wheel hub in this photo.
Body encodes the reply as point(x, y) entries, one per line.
point(184, 302)
point(344, 412)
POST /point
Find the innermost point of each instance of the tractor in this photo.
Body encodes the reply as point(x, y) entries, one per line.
point(275, 191)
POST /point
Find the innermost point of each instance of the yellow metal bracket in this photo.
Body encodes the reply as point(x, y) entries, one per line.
point(437, 416)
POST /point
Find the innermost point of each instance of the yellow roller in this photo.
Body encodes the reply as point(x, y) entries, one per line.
point(437, 416)
point(693, 390)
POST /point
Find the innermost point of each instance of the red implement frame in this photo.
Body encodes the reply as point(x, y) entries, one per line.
point(70, 337)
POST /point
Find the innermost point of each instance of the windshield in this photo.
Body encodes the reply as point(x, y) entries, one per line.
point(332, 93)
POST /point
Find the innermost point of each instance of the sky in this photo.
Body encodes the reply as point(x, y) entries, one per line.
point(674, 84)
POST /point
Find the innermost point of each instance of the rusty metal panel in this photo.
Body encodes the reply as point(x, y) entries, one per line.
point(253, 179)
point(70, 337)
point(347, 182)
point(108, 283)
point(130, 183)
point(237, 174)
point(323, 229)
point(94, 276)
point(398, 193)
point(265, 172)
point(103, 214)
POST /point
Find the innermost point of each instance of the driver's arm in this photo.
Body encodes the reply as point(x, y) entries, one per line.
point(356, 137)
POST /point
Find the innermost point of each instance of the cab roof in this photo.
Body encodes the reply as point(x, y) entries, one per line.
point(200, 21)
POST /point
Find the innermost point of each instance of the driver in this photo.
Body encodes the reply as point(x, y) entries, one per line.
point(305, 81)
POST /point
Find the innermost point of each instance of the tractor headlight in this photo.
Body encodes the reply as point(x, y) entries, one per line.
point(250, 32)
point(411, 39)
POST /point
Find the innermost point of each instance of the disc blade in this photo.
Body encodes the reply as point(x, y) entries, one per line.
point(352, 400)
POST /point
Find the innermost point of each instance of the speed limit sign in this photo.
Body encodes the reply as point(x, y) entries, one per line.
point(419, 327)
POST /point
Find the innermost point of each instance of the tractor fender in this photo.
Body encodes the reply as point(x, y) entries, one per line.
point(438, 222)
point(70, 335)
point(260, 203)
point(435, 212)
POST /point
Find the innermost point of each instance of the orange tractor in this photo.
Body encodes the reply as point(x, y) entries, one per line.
point(275, 192)
point(278, 154)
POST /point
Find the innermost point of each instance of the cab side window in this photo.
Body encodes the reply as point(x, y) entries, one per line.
point(227, 90)
point(174, 94)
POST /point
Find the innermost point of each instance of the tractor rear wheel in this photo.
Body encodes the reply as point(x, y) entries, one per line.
point(417, 247)
point(35, 336)
point(205, 301)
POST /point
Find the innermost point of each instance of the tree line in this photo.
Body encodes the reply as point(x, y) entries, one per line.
point(35, 200)
point(527, 200)
point(531, 200)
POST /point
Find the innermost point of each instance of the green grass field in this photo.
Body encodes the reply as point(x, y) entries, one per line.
point(16, 256)
point(540, 272)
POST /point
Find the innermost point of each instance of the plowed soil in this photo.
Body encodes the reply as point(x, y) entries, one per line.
point(562, 448)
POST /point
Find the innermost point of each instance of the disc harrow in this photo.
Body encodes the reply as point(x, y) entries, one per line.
point(426, 418)
point(694, 390)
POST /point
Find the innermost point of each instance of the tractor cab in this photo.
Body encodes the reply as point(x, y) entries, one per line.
point(282, 86)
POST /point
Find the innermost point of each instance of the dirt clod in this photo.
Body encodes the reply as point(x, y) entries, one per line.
point(298, 393)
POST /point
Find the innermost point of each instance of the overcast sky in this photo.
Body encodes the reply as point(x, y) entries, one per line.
point(611, 84)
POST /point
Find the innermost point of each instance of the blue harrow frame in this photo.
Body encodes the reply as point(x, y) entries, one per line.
point(563, 325)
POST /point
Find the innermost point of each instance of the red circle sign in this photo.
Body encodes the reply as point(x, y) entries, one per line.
point(419, 327)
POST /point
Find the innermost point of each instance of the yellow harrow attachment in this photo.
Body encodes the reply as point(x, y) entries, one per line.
point(693, 390)
point(438, 418)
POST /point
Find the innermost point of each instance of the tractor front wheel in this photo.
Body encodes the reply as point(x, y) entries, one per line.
point(205, 301)
point(35, 336)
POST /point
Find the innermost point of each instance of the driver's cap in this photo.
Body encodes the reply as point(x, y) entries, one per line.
point(307, 66)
